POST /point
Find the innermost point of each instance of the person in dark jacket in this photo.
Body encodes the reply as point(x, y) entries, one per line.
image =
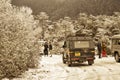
point(99, 48)
point(50, 49)
point(46, 49)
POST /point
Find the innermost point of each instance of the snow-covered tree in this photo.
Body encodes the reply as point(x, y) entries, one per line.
point(67, 26)
point(43, 22)
point(18, 48)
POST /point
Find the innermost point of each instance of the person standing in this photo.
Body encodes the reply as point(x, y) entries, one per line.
point(50, 49)
point(104, 50)
point(99, 48)
point(46, 49)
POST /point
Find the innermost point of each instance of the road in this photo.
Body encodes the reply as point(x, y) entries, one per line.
point(52, 68)
point(103, 69)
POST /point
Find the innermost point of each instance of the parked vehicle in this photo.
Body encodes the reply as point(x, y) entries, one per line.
point(78, 49)
point(115, 47)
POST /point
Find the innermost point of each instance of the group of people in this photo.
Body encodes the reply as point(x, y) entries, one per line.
point(101, 46)
point(47, 49)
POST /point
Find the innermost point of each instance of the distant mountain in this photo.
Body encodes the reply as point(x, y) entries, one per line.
point(60, 8)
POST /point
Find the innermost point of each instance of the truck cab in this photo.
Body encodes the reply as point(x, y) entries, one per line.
point(115, 47)
point(78, 49)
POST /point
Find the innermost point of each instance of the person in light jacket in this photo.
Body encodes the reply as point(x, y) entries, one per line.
point(50, 49)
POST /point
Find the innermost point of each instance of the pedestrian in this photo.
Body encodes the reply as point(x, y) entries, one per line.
point(104, 54)
point(46, 49)
point(50, 49)
point(99, 48)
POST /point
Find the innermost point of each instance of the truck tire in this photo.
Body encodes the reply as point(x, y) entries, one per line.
point(63, 59)
point(117, 57)
point(90, 62)
point(69, 62)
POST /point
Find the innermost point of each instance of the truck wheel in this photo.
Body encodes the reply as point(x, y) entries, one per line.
point(63, 58)
point(69, 62)
point(64, 61)
point(90, 62)
point(117, 58)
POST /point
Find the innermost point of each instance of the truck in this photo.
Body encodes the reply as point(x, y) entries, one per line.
point(78, 49)
point(115, 47)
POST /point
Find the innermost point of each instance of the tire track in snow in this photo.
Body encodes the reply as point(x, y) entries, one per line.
point(105, 69)
point(102, 69)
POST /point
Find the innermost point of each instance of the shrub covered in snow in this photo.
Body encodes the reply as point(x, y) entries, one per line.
point(18, 50)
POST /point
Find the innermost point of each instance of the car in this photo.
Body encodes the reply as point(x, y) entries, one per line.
point(115, 47)
point(78, 49)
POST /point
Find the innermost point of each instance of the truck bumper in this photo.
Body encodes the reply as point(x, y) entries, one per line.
point(82, 58)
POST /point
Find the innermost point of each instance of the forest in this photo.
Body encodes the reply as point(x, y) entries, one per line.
point(60, 8)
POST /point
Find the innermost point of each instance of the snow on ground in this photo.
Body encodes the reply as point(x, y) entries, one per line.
point(52, 68)
point(103, 69)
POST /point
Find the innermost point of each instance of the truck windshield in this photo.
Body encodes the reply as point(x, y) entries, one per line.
point(81, 44)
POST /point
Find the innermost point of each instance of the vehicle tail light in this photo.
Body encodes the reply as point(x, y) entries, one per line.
point(93, 51)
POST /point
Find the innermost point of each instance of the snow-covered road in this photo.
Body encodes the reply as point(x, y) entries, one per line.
point(52, 68)
point(103, 69)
